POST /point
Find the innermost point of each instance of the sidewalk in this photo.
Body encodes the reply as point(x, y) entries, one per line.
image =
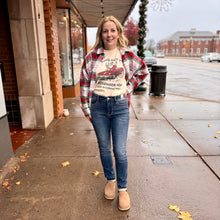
point(173, 158)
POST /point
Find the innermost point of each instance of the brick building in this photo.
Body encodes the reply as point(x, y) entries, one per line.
point(190, 43)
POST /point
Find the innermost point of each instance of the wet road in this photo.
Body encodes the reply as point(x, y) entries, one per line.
point(192, 78)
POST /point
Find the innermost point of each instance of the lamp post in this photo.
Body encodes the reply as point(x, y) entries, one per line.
point(190, 48)
point(178, 52)
point(213, 43)
point(175, 48)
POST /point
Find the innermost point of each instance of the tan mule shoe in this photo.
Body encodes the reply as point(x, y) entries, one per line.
point(109, 191)
point(123, 201)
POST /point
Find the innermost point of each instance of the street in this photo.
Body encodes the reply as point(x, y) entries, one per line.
point(192, 78)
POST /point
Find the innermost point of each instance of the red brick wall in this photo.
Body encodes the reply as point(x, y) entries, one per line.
point(212, 46)
point(53, 55)
point(6, 55)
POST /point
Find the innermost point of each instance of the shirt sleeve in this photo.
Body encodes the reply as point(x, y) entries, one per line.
point(138, 72)
point(84, 89)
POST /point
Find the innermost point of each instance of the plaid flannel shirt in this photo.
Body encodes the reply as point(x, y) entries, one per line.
point(135, 73)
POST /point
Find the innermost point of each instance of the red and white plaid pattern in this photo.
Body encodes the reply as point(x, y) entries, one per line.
point(135, 72)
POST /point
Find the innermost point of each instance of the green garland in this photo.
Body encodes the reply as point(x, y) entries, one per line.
point(142, 28)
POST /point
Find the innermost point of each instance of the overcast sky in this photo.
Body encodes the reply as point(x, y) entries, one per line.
point(204, 15)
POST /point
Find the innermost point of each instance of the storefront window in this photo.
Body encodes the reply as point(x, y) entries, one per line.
point(77, 46)
point(64, 46)
point(70, 45)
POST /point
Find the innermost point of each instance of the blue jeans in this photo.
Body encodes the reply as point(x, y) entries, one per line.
point(110, 117)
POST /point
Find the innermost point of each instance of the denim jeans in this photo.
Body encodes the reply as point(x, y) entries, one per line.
point(110, 119)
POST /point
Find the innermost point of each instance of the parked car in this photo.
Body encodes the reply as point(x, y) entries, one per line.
point(149, 59)
point(209, 57)
point(159, 54)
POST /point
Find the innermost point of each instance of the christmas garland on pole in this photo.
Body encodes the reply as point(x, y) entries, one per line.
point(142, 28)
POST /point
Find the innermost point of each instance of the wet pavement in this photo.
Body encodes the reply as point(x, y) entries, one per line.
point(191, 77)
point(173, 157)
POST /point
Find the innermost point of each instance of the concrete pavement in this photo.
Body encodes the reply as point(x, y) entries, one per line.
point(173, 157)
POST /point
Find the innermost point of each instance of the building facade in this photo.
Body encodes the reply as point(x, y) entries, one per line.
point(190, 43)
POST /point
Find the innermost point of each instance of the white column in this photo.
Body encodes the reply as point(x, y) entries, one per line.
point(31, 62)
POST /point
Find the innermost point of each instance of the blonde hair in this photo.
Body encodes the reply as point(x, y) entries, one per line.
point(122, 40)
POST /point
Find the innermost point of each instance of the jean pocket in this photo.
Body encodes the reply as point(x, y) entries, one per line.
point(123, 101)
point(94, 100)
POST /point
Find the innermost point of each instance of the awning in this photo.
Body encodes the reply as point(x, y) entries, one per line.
point(92, 11)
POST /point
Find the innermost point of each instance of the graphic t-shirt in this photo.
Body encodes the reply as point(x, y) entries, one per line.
point(110, 75)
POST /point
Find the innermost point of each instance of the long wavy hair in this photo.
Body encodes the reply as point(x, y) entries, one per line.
point(122, 40)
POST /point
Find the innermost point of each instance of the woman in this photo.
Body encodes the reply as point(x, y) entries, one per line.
point(109, 74)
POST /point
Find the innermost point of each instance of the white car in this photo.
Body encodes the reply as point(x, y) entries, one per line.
point(159, 54)
point(149, 59)
point(209, 57)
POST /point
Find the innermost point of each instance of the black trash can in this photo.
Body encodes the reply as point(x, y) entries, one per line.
point(158, 75)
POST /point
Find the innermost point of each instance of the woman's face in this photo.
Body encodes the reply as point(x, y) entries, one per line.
point(110, 35)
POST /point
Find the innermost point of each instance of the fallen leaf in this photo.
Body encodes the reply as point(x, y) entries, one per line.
point(8, 188)
point(174, 208)
point(184, 218)
point(180, 117)
point(153, 110)
point(66, 163)
point(193, 131)
point(146, 142)
point(217, 132)
point(184, 215)
point(24, 157)
point(15, 168)
point(18, 183)
point(215, 137)
point(73, 103)
point(181, 131)
point(5, 183)
point(195, 154)
point(71, 133)
point(96, 173)
point(209, 125)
